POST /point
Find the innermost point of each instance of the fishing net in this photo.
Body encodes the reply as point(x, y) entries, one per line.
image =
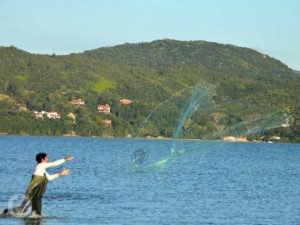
point(200, 113)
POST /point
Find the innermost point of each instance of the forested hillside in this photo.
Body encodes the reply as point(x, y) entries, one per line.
point(147, 74)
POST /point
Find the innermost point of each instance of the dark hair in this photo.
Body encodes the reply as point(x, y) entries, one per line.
point(40, 156)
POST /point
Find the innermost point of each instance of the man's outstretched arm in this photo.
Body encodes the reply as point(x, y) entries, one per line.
point(64, 172)
point(58, 162)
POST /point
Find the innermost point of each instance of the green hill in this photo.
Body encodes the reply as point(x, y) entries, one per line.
point(213, 56)
point(147, 74)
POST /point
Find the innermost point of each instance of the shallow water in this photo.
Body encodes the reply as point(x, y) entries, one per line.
point(209, 183)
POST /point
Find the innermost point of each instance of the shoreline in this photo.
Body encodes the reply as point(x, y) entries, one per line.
point(237, 140)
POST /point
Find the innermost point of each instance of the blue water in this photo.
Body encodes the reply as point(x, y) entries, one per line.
point(209, 183)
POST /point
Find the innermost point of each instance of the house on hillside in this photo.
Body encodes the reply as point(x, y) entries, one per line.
point(77, 102)
point(50, 115)
point(53, 115)
point(39, 115)
point(125, 101)
point(104, 108)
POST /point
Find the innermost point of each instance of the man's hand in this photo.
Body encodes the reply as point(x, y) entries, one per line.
point(64, 172)
point(68, 158)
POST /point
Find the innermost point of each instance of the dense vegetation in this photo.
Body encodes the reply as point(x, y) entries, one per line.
point(148, 74)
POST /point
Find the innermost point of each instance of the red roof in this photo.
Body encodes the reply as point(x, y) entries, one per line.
point(104, 108)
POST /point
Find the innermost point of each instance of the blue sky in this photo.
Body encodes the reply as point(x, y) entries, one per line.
point(65, 26)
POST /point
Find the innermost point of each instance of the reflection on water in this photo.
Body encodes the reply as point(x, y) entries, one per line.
point(32, 222)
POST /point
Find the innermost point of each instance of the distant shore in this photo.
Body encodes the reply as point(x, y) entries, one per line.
point(226, 138)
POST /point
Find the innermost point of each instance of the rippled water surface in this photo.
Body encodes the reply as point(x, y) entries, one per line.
point(208, 183)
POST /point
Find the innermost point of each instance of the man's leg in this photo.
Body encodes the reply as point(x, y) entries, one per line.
point(39, 207)
point(35, 193)
point(25, 205)
point(35, 205)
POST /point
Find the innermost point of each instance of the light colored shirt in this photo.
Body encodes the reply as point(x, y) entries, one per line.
point(40, 169)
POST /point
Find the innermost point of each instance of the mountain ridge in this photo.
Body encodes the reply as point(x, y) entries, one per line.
point(211, 55)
